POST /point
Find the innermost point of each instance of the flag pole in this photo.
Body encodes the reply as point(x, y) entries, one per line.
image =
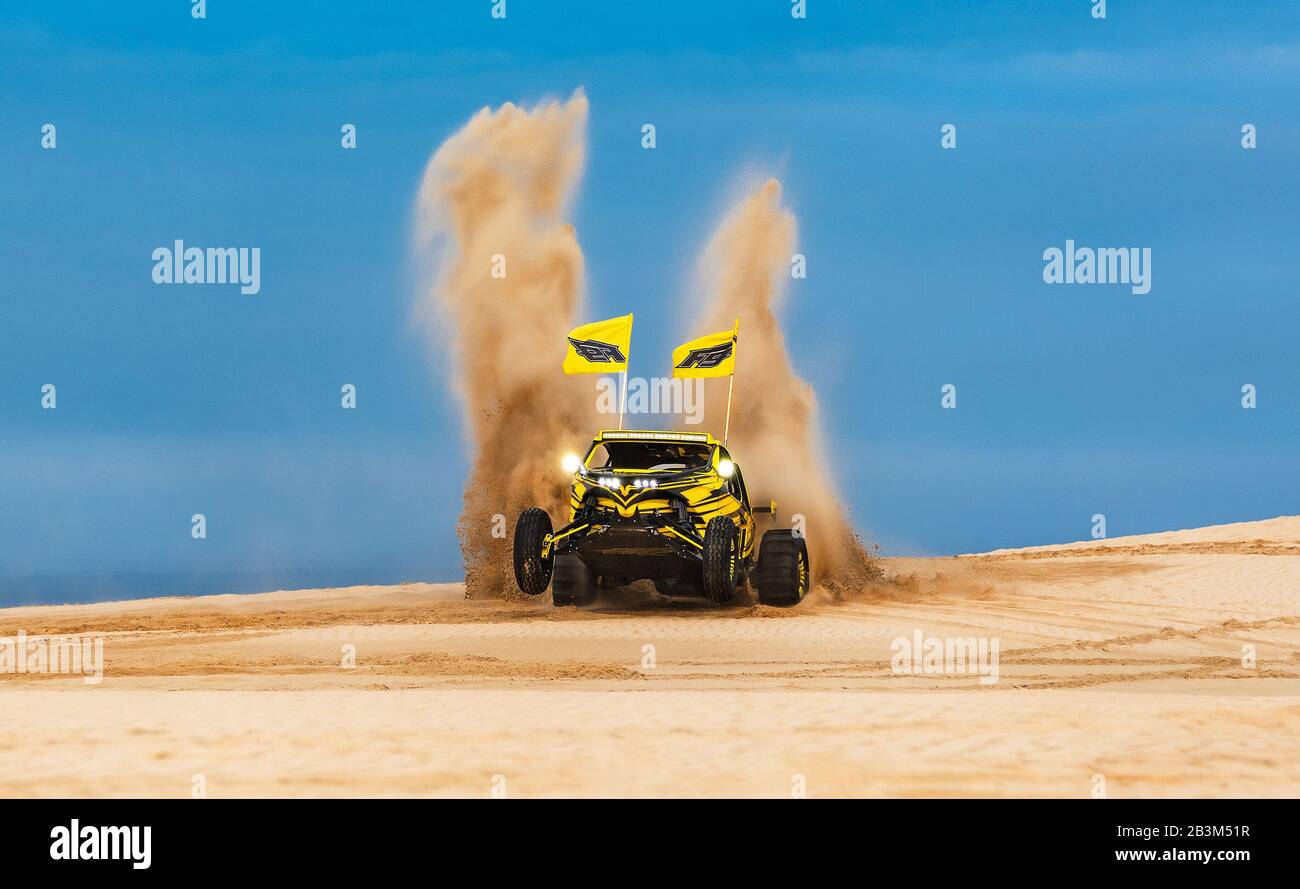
point(726, 433)
point(731, 384)
point(622, 400)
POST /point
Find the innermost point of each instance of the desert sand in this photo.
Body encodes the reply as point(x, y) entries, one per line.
point(1121, 670)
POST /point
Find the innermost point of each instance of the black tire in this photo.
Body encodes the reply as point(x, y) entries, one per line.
point(532, 572)
point(573, 583)
point(783, 573)
point(721, 559)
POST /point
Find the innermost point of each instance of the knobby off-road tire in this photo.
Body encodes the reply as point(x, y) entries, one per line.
point(532, 572)
point(573, 583)
point(721, 559)
point(783, 573)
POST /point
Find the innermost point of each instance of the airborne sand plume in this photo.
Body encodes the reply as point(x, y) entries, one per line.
point(774, 419)
point(498, 191)
point(500, 187)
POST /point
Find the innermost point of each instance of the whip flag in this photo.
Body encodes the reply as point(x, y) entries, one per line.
point(712, 355)
point(602, 347)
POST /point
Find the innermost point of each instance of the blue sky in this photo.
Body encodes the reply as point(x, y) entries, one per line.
point(924, 265)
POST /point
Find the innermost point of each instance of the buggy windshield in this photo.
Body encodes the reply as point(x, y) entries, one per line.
point(648, 456)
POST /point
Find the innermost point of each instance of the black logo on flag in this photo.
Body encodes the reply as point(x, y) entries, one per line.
point(597, 352)
point(703, 359)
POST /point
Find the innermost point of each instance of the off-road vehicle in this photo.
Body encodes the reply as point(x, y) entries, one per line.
point(670, 507)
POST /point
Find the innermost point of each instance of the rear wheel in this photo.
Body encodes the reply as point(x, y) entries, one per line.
point(783, 573)
point(721, 559)
point(532, 572)
point(574, 584)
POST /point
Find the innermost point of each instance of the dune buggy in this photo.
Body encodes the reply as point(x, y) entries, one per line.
point(670, 507)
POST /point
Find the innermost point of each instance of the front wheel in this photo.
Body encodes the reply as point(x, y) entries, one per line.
point(532, 571)
point(721, 559)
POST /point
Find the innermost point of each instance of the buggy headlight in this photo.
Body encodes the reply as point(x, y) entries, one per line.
point(726, 468)
point(570, 463)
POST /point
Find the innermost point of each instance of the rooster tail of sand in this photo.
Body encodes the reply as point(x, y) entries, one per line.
point(493, 208)
point(493, 212)
point(774, 429)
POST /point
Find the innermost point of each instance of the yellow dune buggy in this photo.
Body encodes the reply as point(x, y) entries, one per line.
point(670, 507)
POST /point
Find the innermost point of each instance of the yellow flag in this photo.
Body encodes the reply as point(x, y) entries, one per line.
point(599, 347)
point(713, 355)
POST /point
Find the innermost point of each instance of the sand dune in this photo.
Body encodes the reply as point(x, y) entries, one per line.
point(1279, 536)
point(1120, 658)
